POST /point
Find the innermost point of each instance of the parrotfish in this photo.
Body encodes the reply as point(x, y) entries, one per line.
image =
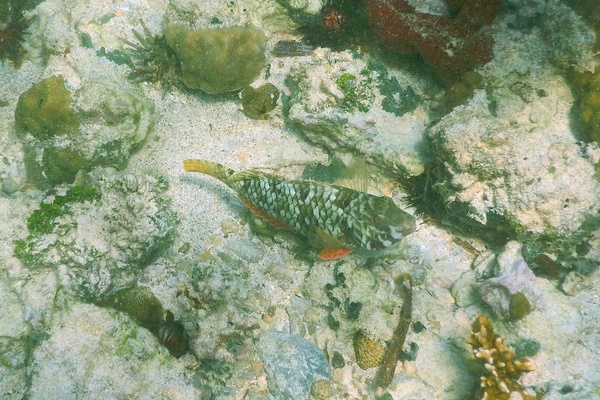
point(334, 218)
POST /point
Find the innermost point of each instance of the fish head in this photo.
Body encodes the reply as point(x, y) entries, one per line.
point(382, 224)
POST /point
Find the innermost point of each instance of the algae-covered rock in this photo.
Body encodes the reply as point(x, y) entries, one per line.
point(100, 124)
point(257, 103)
point(348, 104)
point(218, 60)
point(45, 110)
point(99, 233)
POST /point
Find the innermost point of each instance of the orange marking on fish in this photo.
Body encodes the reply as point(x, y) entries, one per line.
point(334, 253)
point(274, 222)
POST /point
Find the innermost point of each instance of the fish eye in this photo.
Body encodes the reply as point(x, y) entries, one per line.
point(379, 219)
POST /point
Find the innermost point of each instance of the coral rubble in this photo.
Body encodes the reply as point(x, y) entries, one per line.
point(500, 367)
point(451, 46)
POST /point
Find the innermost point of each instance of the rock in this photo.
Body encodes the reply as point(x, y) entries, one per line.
point(513, 292)
point(103, 126)
point(108, 356)
point(359, 107)
point(510, 167)
point(100, 233)
point(218, 60)
point(292, 365)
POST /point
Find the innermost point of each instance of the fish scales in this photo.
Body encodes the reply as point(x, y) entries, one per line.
point(341, 218)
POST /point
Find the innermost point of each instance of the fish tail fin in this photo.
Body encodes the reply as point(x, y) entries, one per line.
point(218, 171)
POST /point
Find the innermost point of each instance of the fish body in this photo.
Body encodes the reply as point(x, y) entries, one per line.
point(335, 218)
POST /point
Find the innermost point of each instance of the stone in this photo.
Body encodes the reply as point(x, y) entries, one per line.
point(292, 364)
point(513, 292)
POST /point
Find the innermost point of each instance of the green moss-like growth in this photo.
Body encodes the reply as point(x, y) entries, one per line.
point(257, 103)
point(218, 60)
point(43, 220)
point(357, 95)
point(45, 110)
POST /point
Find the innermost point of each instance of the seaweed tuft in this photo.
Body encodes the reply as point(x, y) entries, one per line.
point(13, 29)
point(153, 59)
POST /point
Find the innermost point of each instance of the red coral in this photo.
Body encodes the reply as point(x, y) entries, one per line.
point(451, 46)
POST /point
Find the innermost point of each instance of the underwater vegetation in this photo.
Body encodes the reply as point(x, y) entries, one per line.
point(13, 28)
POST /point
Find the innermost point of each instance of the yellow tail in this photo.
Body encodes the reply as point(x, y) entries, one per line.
point(218, 171)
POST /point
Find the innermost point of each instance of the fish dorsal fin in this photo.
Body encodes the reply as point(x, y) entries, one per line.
point(354, 176)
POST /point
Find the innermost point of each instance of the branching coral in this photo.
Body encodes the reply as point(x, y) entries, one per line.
point(451, 46)
point(501, 368)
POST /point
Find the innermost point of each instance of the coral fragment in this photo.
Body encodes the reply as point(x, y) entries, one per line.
point(501, 368)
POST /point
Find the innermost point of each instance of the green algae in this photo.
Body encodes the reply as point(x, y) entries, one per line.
point(43, 219)
point(357, 93)
point(104, 231)
point(45, 110)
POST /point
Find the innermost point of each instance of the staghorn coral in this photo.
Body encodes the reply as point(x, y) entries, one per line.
point(451, 46)
point(500, 367)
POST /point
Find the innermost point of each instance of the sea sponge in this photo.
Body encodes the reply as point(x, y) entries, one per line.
point(369, 352)
point(451, 46)
point(500, 367)
point(218, 60)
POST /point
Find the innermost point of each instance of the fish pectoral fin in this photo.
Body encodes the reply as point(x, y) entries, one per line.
point(332, 248)
point(333, 253)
